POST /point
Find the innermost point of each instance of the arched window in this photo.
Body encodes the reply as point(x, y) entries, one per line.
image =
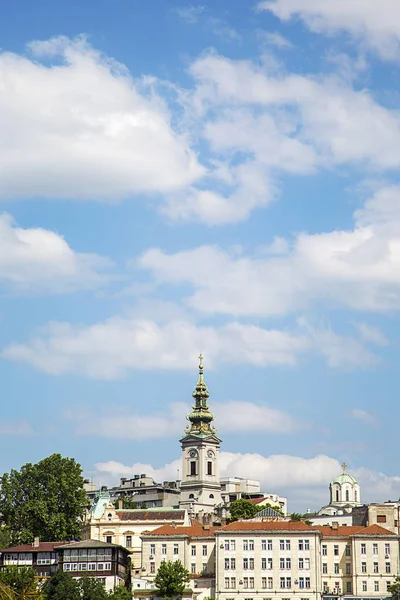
point(211, 495)
point(191, 496)
point(109, 516)
point(337, 495)
point(347, 496)
point(355, 495)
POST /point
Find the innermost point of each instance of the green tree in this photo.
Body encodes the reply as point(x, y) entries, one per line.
point(127, 502)
point(171, 579)
point(91, 589)
point(19, 583)
point(45, 499)
point(242, 509)
point(120, 593)
point(394, 589)
point(61, 586)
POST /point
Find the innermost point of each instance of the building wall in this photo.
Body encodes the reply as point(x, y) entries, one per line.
point(301, 566)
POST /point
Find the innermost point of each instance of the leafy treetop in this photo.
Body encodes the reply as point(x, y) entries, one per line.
point(171, 579)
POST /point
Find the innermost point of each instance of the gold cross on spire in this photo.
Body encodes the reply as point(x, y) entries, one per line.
point(201, 361)
point(344, 467)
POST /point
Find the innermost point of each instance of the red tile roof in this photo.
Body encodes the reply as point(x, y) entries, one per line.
point(42, 547)
point(193, 531)
point(154, 515)
point(349, 530)
point(257, 500)
point(267, 526)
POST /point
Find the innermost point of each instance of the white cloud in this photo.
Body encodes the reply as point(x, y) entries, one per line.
point(40, 260)
point(276, 39)
point(16, 428)
point(369, 333)
point(377, 24)
point(363, 416)
point(231, 416)
point(84, 128)
point(357, 268)
point(190, 13)
point(304, 480)
point(108, 350)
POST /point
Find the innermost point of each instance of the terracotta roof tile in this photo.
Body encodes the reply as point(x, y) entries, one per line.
point(193, 531)
point(349, 530)
point(144, 515)
point(42, 547)
point(267, 526)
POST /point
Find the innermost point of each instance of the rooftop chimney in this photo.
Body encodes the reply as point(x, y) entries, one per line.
point(36, 542)
point(335, 525)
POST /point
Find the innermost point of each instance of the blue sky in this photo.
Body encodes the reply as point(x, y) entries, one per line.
point(218, 177)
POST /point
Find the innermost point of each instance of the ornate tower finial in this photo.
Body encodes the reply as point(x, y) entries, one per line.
point(344, 467)
point(200, 418)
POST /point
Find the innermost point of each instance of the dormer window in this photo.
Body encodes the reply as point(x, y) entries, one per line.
point(109, 517)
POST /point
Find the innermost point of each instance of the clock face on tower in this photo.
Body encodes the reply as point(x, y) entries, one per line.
point(210, 454)
point(192, 453)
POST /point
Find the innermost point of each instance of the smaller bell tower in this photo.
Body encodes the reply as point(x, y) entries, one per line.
point(200, 485)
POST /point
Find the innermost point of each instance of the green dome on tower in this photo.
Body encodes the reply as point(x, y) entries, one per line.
point(200, 418)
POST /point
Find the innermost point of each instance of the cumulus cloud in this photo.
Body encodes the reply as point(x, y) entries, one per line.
point(357, 268)
point(40, 260)
point(305, 481)
point(190, 13)
point(84, 128)
point(233, 416)
point(16, 428)
point(369, 333)
point(374, 23)
point(109, 349)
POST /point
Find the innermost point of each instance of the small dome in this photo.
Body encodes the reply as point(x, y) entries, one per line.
point(344, 478)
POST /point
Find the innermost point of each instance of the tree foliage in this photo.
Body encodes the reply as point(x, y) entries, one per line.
point(91, 589)
point(45, 499)
point(61, 586)
point(394, 589)
point(127, 502)
point(18, 583)
point(242, 509)
point(171, 578)
point(120, 593)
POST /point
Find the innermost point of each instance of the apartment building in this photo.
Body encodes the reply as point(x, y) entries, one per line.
point(268, 558)
point(41, 556)
point(358, 561)
point(194, 546)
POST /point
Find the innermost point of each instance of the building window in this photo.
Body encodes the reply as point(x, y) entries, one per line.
point(281, 544)
point(152, 568)
point(251, 582)
point(347, 496)
point(348, 568)
point(245, 544)
point(226, 544)
point(233, 582)
point(336, 550)
point(263, 544)
point(381, 518)
point(348, 550)
point(388, 584)
point(264, 583)
point(376, 586)
point(282, 582)
point(387, 567)
point(226, 579)
point(348, 587)
point(287, 544)
point(307, 563)
point(211, 496)
point(301, 583)
point(387, 548)
point(324, 550)
point(128, 541)
point(109, 517)
point(193, 467)
point(209, 468)
point(336, 568)
point(233, 563)
point(251, 564)
point(193, 550)
point(376, 567)
point(163, 549)
point(245, 564)
point(109, 539)
point(176, 549)
point(269, 545)
point(233, 544)
point(245, 582)
point(193, 569)
point(337, 495)
point(152, 549)
point(263, 563)
point(270, 583)
point(374, 548)
point(269, 561)
point(204, 568)
point(301, 563)
point(281, 563)
point(227, 563)
point(325, 568)
point(364, 586)
point(251, 544)
point(363, 567)
point(363, 549)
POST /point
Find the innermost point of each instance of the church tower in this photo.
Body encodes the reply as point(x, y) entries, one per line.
point(200, 485)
